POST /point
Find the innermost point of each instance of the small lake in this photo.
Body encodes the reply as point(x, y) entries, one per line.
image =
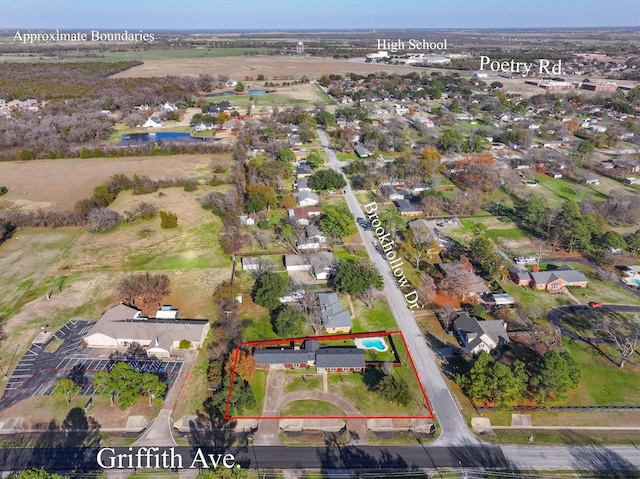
point(250, 92)
point(142, 138)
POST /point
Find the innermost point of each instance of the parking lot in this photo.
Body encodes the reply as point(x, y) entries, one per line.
point(37, 372)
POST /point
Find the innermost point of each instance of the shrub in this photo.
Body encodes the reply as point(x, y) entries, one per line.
point(185, 344)
point(3, 190)
point(168, 219)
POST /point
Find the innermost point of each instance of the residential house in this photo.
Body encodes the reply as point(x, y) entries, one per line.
point(407, 208)
point(592, 181)
point(555, 174)
point(314, 238)
point(519, 275)
point(233, 124)
point(321, 264)
point(424, 232)
point(419, 188)
point(302, 216)
point(632, 181)
point(307, 198)
point(556, 280)
point(302, 185)
point(220, 107)
point(247, 220)
point(152, 122)
point(626, 163)
point(296, 262)
point(123, 325)
point(250, 263)
point(477, 336)
point(392, 193)
point(304, 171)
point(203, 126)
point(329, 359)
point(334, 317)
point(361, 151)
point(476, 287)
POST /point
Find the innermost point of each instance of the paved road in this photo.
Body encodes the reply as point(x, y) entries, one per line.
point(454, 429)
point(330, 457)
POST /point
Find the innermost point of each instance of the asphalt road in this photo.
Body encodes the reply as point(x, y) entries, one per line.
point(331, 457)
point(454, 429)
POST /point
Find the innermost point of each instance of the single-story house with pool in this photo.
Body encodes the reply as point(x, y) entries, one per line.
point(329, 359)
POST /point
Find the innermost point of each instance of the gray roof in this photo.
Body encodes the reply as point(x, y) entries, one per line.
point(304, 169)
point(407, 207)
point(472, 330)
point(119, 323)
point(321, 261)
point(564, 273)
point(422, 230)
point(521, 273)
point(302, 183)
point(361, 150)
point(295, 260)
point(348, 357)
point(302, 195)
point(283, 356)
point(340, 358)
point(332, 313)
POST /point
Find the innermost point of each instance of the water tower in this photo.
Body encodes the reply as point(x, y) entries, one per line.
point(300, 48)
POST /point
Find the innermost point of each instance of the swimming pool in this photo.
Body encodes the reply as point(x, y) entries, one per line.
point(635, 282)
point(379, 344)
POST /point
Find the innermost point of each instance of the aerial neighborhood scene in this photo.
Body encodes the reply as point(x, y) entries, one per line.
point(273, 242)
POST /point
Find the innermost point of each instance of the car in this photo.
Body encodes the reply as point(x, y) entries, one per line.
point(596, 304)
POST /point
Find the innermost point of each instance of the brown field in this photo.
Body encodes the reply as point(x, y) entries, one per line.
point(59, 184)
point(272, 67)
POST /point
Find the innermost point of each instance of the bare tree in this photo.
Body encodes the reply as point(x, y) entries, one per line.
point(426, 289)
point(148, 288)
point(368, 296)
point(625, 335)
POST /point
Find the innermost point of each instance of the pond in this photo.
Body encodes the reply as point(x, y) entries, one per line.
point(142, 138)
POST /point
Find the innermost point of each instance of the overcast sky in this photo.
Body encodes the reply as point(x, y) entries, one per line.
point(303, 14)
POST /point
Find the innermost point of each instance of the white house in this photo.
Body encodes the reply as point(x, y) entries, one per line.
point(152, 122)
point(203, 126)
point(307, 198)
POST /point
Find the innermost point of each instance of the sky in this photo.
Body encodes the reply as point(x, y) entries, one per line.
point(313, 14)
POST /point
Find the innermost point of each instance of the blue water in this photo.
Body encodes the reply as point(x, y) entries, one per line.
point(636, 282)
point(374, 343)
point(141, 138)
point(250, 92)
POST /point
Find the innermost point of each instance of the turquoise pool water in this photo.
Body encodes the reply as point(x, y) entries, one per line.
point(636, 282)
point(374, 343)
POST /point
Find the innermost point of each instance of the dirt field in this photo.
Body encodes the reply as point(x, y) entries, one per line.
point(272, 67)
point(58, 184)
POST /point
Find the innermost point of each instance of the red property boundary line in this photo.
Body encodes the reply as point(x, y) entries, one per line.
point(288, 341)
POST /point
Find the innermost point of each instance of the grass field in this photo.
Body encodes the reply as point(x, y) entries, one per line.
point(310, 407)
point(378, 318)
point(302, 382)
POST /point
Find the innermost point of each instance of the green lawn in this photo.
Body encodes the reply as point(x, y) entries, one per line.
point(302, 382)
point(352, 388)
point(603, 383)
point(259, 386)
point(565, 189)
point(378, 318)
point(256, 327)
point(311, 407)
